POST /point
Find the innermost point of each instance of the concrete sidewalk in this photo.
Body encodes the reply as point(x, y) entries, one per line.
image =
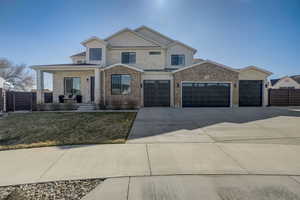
point(121, 160)
point(220, 187)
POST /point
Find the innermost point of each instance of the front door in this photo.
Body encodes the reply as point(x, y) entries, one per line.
point(92, 88)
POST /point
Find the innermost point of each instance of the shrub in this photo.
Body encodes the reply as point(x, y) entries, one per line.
point(116, 104)
point(131, 104)
point(56, 106)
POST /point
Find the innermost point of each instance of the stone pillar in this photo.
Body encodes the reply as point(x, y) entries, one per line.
point(97, 86)
point(39, 86)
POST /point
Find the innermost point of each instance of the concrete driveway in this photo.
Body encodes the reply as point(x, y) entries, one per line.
point(220, 187)
point(242, 125)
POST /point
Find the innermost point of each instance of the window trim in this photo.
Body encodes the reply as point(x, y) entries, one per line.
point(129, 57)
point(183, 55)
point(71, 77)
point(95, 59)
point(111, 88)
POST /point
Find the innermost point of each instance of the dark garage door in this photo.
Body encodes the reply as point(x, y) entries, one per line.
point(250, 93)
point(156, 93)
point(205, 94)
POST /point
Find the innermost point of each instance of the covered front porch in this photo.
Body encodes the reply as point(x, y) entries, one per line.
point(71, 83)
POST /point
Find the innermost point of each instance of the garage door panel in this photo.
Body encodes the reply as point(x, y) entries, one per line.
point(250, 93)
point(156, 93)
point(205, 94)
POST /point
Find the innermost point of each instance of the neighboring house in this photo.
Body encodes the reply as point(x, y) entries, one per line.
point(150, 69)
point(2, 81)
point(286, 82)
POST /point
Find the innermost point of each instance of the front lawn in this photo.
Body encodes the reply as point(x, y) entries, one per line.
point(58, 128)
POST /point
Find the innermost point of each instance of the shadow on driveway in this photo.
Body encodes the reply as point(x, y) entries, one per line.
point(215, 124)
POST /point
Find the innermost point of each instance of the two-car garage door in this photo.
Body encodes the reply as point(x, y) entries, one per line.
point(205, 94)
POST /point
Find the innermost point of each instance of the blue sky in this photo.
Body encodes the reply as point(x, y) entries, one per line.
point(238, 33)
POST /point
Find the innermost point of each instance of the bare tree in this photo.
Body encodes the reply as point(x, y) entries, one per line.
point(18, 76)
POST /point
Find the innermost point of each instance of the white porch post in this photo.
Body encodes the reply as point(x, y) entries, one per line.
point(39, 86)
point(97, 85)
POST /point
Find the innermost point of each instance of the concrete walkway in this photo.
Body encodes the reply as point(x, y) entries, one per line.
point(245, 187)
point(105, 161)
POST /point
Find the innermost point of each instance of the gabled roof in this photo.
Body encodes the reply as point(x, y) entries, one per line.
point(182, 44)
point(153, 31)
point(94, 38)
point(79, 54)
point(296, 78)
point(274, 81)
point(257, 69)
point(133, 32)
point(123, 65)
point(203, 62)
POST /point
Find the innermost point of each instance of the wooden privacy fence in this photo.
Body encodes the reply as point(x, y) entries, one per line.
point(284, 97)
point(16, 101)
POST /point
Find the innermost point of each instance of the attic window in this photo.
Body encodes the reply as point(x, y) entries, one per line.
point(154, 53)
point(95, 54)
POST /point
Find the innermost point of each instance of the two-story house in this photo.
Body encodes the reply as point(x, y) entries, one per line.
point(150, 69)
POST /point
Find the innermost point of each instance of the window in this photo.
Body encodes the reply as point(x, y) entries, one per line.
point(154, 53)
point(120, 84)
point(72, 85)
point(128, 57)
point(177, 59)
point(95, 53)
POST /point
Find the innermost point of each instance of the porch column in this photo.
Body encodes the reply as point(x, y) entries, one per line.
point(97, 86)
point(39, 86)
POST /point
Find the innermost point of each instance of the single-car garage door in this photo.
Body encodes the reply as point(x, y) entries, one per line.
point(250, 93)
point(205, 94)
point(156, 93)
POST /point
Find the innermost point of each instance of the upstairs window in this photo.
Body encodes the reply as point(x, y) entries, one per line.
point(154, 52)
point(120, 84)
point(95, 54)
point(177, 59)
point(128, 57)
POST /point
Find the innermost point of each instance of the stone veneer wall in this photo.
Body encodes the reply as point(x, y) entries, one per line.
point(205, 73)
point(135, 93)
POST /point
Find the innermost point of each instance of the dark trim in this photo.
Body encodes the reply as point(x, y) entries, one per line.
point(120, 75)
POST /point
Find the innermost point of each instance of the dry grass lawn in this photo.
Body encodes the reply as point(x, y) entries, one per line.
point(50, 128)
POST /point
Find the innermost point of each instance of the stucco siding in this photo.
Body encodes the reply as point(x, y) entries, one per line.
point(96, 44)
point(143, 59)
point(58, 83)
point(159, 76)
point(129, 39)
point(135, 87)
point(179, 49)
point(206, 72)
point(154, 36)
point(252, 74)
